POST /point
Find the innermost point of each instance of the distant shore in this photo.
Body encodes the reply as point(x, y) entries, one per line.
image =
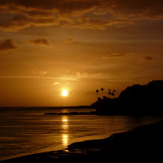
point(144, 142)
point(73, 113)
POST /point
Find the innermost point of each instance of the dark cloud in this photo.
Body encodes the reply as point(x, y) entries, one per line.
point(139, 9)
point(96, 14)
point(7, 44)
point(113, 55)
point(148, 58)
point(41, 41)
point(63, 6)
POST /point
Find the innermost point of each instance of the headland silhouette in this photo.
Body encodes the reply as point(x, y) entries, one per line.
point(134, 100)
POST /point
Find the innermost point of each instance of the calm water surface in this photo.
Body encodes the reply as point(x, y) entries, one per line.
point(26, 131)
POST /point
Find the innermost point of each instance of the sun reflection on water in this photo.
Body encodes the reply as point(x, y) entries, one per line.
point(65, 135)
point(65, 140)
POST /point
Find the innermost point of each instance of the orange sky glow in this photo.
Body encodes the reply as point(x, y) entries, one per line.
point(78, 45)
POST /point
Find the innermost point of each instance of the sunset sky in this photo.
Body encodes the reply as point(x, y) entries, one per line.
point(79, 45)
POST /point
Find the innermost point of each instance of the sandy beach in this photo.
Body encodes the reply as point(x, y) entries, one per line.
point(144, 142)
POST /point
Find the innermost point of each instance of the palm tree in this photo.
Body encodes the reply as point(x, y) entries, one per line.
point(112, 93)
point(102, 90)
point(97, 91)
point(109, 92)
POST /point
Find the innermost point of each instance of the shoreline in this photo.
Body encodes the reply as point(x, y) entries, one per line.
point(142, 142)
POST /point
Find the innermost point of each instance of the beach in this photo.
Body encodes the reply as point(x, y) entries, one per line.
point(144, 142)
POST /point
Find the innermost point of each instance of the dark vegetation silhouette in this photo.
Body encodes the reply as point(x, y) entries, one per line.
point(111, 93)
point(97, 92)
point(134, 100)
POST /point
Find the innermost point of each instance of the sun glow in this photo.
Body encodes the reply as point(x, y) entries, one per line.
point(64, 93)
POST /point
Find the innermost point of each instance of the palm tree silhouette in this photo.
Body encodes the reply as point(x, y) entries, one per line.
point(109, 92)
point(112, 93)
point(97, 91)
point(102, 90)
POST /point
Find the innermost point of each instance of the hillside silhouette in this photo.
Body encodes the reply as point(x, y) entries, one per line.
point(134, 100)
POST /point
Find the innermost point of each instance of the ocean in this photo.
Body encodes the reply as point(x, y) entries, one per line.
point(26, 131)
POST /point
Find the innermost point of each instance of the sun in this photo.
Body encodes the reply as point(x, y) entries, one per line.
point(64, 92)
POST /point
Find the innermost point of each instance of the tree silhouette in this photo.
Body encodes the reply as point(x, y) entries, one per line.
point(111, 93)
point(97, 91)
point(102, 90)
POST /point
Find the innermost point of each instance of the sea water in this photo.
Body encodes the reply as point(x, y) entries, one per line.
point(29, 130)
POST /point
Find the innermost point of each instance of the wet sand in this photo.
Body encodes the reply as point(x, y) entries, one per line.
point(141, 143)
